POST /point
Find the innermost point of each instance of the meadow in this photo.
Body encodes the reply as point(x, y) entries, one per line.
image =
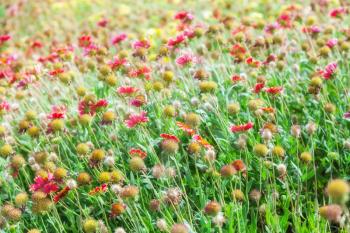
point(174, 116)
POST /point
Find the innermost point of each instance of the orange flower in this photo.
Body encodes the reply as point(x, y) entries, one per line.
point(185, 128)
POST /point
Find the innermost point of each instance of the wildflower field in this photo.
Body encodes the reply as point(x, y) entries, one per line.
point(174, 116)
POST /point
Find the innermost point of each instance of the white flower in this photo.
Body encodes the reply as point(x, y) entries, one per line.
point(109, 161)
point(72, 184)
point(194, 101)
point(266, 134)
point(347, 144)
point(162, 225)
point(31, 160)
point(116, 188)
point(219, 219)
point(53, 157)
point(35, 167)
point(177, 104)
point(282, 169)
point(119, 230)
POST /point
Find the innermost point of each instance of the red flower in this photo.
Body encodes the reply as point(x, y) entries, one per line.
point(138, 152)
point(237, 49)
point(85, 41)
point(184, 16)
point(36, 44)
point(116, 63)
point(91, 108)
point(127, 90)
point(236, 78)
point(61, 194)
point(346, 115)
point(119, 38)
point(143, 71)
point(134, 119)
point(169, 137)
point(239, 165)
point(285, 20)
point(57, 112)
point(274, 90)
point(45, 184)
point(239, 29)
point(268, 109)
point(241, 128)
point(102, 103)
point(102, 23)
point(269, 59)
point(258, 87)
point(56, 72)
point(252, 62)
point(99, 189)
point(178, 40)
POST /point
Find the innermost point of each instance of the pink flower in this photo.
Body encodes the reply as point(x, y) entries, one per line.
point(137, 102)
point(270, 28)
point(329, 70)
point(311, 30)
point(134, 119)
point(332, 42)
point(185, 59)
point(119, 38)
point(346, 115)
point(241, 128)
point(189, 33)
point(45, 184)
point(90, 49)
point(141, 44)
point(127, 90)
point(4, 105)
point(337, 12)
